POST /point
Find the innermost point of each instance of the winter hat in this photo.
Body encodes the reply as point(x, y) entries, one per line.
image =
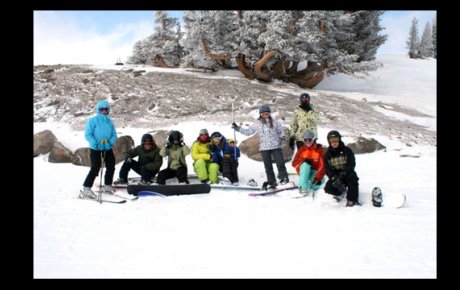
point(204, 131)
point(264, 108)
point(146, 138)
point(304, 96)
point(230, 141)
point(309, 135)
point(333, 135)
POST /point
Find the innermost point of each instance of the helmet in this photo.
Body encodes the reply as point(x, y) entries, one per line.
point(175, 136)
point(333, 134)
point(304, 96)
point(309, 135)
point(216, 135)
point(264, 108)
point(146, 138)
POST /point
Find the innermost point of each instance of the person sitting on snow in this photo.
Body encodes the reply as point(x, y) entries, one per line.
point(148, 164)
point(340, 168)
point(176, 150)
point(309, 164)
point(230, 162)
point(206, 170)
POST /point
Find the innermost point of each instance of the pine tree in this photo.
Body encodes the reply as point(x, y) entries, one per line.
point(434, 38)
point(413, 40)
point(426, 42)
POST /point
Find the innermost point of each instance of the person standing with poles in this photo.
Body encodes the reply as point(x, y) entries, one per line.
point(101, 135)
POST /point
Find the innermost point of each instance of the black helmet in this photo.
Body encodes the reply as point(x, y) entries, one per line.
point(175, 136)
point(146, 138)
point(264, 108)
point(216, 135)
point(304, 96)
point(334, 134)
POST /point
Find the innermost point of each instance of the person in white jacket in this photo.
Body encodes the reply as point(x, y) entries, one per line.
point(271, 135)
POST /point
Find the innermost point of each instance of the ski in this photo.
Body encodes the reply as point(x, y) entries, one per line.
point(233, 187)
point(272, 192)
point(103, 199)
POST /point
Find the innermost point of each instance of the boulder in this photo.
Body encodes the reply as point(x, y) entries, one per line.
point(43, 142)
point(250, 147)
point(60, 154)
point(364, 145)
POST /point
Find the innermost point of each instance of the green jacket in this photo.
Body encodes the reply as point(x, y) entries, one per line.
point(151, 159)
point(302, 121)
point(176, 155)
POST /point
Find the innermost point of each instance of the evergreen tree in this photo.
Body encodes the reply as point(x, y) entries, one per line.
point(426, 42)
point(434, 38)
point(413, 40)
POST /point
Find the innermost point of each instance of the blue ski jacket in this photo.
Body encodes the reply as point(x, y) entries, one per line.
point(100, 130)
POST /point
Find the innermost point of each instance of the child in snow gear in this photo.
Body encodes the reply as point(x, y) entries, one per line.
point(148, 164)
point(230, 162)
point(206, 170)
point(340, 168)
point(309, 164)
point(304, 118)
point(101, 135)
point(271, 134)
point(176, 150)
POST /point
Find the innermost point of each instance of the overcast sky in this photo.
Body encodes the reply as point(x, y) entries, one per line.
point(101, 37)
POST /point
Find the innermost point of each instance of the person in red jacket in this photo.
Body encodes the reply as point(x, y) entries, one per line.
point(309, 164)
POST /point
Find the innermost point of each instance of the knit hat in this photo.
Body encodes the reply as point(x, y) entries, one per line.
point(204, 131)
point(264, 108)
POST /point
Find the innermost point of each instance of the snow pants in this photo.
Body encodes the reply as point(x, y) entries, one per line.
point(206, 170)
point(351, 182)
point(167, 173)
point(230, 169)
point(268, 164)
point(307, 176)
point(96, 160)
point(139, 168)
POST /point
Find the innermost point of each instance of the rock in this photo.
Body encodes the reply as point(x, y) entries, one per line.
point(364, 145)
point(60, 154)
point(43, 142)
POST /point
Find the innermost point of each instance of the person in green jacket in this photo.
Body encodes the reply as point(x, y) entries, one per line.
point(304, 118)
point(148, 164)
point(176, 150)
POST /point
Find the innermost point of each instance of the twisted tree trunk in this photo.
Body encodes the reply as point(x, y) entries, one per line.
point(241, 62)
point(160, 62)
point(267, 77)
point(215, 57)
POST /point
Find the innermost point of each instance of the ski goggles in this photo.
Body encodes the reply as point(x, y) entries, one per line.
point(104, 109)
point(217, 139)
point(148, 143)
point(334, 140)
point(308, 140)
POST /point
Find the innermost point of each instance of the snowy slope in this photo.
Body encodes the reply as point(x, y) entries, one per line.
point(228, 233)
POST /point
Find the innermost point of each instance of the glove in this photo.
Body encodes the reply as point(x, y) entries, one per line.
point(308, 161)
point(101, 147)
point(227, 156)
point(235, 126)
point(316, 182)
point(181, 144)
point(336, 182)
point(343, 175)
point(128, 159)
point(291, 142)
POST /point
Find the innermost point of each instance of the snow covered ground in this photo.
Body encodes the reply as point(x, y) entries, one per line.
point(230, 234)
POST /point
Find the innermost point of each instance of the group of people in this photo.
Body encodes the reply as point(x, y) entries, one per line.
point(214, 153)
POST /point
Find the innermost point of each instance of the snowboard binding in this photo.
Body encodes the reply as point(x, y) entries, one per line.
point(377, 197)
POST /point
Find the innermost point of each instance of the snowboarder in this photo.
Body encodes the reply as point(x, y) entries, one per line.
point(148, 164)
point(340, 168)
point(206, 170)
point(304, 118)
point(101, 135)
point(271, 135)
point(176, 150)
point(309, 164)
point(230, 162)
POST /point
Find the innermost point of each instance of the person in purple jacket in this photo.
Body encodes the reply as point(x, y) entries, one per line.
point(101, 135)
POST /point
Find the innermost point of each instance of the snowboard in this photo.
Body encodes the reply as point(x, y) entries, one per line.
point(149, 193)
point(279, 188)
point(180, 189)
point(396, 200)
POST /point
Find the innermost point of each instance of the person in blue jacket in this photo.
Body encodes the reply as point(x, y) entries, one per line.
point(101, 135)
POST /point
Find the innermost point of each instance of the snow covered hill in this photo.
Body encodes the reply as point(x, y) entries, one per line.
point(229, 234)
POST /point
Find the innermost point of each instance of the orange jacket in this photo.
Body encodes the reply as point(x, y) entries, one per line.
point(315, 153)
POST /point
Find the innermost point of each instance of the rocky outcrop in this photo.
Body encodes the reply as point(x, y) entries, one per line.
point(250, 147)
point(43, 142)
point(364, 145)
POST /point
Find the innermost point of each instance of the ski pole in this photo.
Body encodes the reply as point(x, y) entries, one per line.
point(234, 131)
point(99, 196)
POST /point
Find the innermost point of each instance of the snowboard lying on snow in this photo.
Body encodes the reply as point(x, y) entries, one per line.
point(179, 189)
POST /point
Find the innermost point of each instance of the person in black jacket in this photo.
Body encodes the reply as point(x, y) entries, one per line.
point(340, 168)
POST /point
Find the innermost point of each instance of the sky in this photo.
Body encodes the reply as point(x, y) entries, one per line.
point(228, 234)
point(102, 37)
